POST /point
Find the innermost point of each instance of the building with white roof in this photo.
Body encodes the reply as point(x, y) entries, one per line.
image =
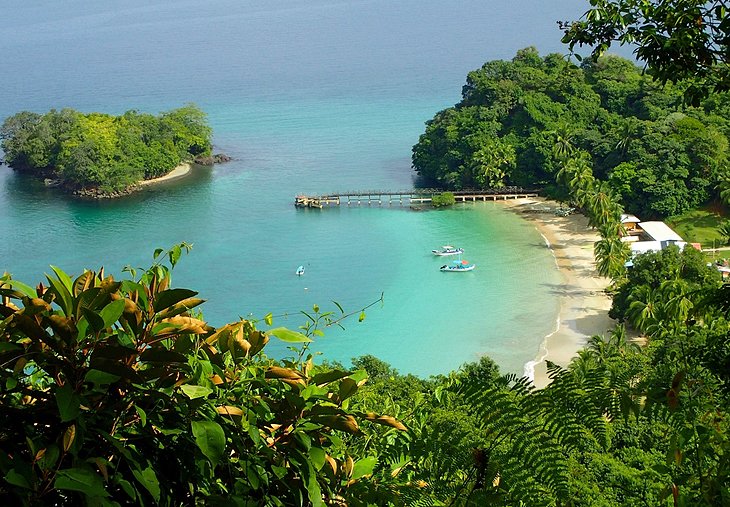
point(652, 237)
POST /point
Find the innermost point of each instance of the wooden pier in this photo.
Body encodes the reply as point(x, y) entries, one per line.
point(407, 197)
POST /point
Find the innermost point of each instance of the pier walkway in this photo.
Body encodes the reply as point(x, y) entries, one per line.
point(408, 197)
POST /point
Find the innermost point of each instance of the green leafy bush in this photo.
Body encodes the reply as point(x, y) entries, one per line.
point(116, 392)
point(442, 200)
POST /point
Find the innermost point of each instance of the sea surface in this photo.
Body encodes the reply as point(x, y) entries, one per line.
point(313, 97)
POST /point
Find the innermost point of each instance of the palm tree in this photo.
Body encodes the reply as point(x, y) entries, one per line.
point(678, 304)
point(602, 206)
point(724, 228)
point(724, 188)
point(563, 147)
point(626, 133)
point(644, 308)
point(611, 255)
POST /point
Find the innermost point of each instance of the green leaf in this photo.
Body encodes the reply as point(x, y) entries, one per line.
point(49, 458)
point(148, 479)
point(289, 336)
point(82, 326)
point(25, 289)
point(127, 488)
point(174, 254)
point(269, 319)
point(100, 378)
point(169, 297)
point(329, 376)
point(280, 472)
point(359, 376)
point(63, 278)
point(364, 467)
point(253, 477)
point(81, 479)
point(142, 415)
point(313, 490)
point(64, 295)
point(317, 455)
point(193, 391)
point(111, 312)
point(210, 439)
point(94, 319)
point(348, 387)
point(17, 479)
point(68, 403)
point(361, 317)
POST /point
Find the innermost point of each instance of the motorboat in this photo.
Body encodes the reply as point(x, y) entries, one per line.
point(300, 270)
point(458, 266)
point(448, 250)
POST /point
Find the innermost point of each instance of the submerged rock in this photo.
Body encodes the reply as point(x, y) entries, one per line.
point(218, 158)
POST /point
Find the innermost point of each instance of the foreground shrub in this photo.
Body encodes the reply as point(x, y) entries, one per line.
point(115, 392)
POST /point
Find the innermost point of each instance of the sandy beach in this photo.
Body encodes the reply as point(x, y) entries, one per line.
point(583, 303)
point(179, 172)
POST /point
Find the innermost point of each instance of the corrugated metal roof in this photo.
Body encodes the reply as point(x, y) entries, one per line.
point(659, 231)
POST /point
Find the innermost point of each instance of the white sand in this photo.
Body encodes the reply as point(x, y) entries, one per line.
point(179, 172)
point(583, 303)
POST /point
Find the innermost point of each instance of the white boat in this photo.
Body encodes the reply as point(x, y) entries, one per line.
point(448, 250)
point(458, 266)
point(300, 270)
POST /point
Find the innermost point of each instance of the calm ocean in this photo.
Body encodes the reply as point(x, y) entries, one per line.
point(314, 97)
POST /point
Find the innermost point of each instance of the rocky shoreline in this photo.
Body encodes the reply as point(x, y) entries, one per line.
point(218, 158)
point(96, 193)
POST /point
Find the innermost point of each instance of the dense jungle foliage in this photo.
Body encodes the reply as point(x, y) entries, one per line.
point(658, 156)
point(677, 39)
point(117, 392)
point(102, 151)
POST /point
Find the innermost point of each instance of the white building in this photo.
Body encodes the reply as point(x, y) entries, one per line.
point(652, 237)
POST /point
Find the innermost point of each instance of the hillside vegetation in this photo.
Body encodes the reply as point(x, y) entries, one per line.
point(519, 119)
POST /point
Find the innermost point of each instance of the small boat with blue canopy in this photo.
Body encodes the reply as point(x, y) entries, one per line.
point(458, 266)
point(300, 270)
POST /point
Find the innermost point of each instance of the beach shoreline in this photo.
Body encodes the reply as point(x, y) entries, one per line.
point(178, 172)
point(583, 303)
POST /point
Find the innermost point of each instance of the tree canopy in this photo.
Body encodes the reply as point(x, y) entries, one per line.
point(102, 151)
point(519, 120)
point(678, 39)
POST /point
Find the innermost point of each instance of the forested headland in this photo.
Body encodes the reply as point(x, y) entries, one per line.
point(517, 120)
point(100, 154)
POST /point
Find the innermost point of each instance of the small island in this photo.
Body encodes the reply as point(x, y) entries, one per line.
point(99, 155)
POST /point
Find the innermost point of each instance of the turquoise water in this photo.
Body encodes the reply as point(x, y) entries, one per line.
point(327, 96)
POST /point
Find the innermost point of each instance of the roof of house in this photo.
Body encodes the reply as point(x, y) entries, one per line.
point(659, 231)
point(629, 219)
